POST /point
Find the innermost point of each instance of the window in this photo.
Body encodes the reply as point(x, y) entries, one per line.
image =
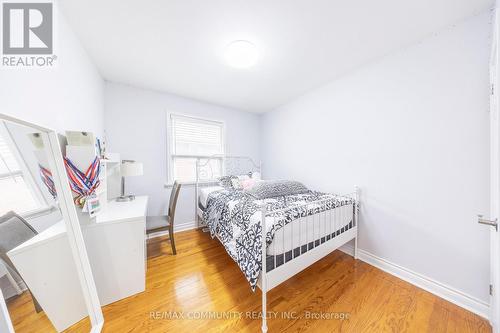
point(17, 194)
point(191, 139)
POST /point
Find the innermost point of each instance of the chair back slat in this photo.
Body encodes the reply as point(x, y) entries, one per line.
point(174, 195)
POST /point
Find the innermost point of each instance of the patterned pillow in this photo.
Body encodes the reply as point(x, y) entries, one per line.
point(227, 181)
point(276, 188)
point(236, 183)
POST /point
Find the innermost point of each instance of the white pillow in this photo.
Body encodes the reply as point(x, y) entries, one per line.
point(255, 175)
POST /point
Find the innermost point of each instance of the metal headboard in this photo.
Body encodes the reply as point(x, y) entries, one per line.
point(231, 165)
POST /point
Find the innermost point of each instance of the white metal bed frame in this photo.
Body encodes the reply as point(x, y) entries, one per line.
point(334, 235)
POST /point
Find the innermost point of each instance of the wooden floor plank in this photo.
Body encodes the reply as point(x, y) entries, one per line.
point(203, 279)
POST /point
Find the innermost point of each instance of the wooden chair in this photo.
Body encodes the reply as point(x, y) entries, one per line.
point(15, 230)
point(165, 223)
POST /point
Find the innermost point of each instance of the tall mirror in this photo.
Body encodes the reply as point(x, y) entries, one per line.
point(45, 276)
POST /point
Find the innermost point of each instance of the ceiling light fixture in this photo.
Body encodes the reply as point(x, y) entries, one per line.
point(241, 54)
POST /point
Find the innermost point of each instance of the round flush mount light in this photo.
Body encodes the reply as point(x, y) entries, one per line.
point(241, 54)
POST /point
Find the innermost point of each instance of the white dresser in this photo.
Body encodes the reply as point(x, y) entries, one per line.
point(116, 246)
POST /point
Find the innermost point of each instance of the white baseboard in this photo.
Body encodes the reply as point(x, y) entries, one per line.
point(178, 227)
point(347, 249)
point(437, 288)
point(185, 226)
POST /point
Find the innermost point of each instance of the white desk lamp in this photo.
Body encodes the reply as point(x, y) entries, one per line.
point(129, 168)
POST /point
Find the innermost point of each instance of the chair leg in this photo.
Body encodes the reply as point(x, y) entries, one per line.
point(172, 242)
point(38, 308)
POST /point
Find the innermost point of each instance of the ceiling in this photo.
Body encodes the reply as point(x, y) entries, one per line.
point(177, 45)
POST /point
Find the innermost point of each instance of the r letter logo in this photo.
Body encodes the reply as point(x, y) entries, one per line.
point(27, 29)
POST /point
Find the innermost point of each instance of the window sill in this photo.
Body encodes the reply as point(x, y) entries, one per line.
point(190, 184)
point(39, 212)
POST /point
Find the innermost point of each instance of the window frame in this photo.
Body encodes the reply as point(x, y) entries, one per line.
point(25, 173)
point(170, 146)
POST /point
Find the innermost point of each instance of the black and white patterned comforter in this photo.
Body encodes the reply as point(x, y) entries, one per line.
point(235, 217)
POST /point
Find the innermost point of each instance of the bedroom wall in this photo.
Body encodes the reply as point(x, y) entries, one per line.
point(69, 96)
point(144, 138)
point(410, 129)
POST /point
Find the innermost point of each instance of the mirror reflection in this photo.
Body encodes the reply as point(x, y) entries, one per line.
point(38, 276)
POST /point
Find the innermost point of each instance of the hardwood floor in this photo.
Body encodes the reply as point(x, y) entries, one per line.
point(203, 280)
point(26, 320)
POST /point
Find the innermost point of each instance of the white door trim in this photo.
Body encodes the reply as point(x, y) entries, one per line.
point(494, 175)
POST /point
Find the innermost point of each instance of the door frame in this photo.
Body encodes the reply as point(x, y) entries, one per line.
point(494, 67)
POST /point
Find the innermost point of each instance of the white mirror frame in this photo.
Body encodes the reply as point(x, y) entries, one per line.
point(5, 322)
point(68, 211)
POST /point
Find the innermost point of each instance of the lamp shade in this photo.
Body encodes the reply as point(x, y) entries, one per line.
point(131, 168)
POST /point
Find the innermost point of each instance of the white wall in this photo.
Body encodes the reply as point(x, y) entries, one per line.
point(412, 131)
point(67, 97)
point(136, 124)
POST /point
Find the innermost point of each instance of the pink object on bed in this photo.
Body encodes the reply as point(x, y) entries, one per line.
point(248, 183)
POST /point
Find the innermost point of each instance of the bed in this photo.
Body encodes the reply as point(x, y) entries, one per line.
point(299, 228)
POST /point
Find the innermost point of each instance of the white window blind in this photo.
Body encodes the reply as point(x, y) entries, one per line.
point(9, 163)
point(15, 193)
point(191, 139)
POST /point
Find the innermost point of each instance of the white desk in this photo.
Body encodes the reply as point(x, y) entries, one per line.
point(115, 245)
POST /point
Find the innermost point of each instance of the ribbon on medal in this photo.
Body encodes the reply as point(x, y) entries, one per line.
point(47, 179)
point(83, 184)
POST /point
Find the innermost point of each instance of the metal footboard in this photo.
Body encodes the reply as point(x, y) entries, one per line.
point(325, 226)
point(310, 231)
